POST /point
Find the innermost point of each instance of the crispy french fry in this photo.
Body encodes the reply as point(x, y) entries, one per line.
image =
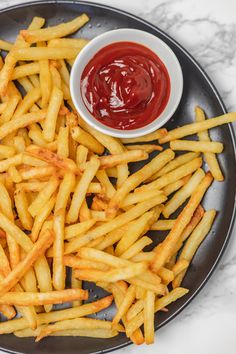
point(34, 53)
point(78, 229)
point(146, 147)
point(4, 45)
point(136, 247)
point(182, 194)
point(119, 221)
point(174, 186)
point(81, 189)
point(21, 204)
point(158, 134)
point(60, 315)
point(78, 263)
point(133, 181)
point(125, 305)
point(52, 114)
point(193, 128)
point(68, 43)
point(210, 158)
point(178, 161)
point(126, 157)
point(84, 138)
point(134, 198)
point(63, 142)
point(164, 251)
point(197, 146)
point(194, 242)
point(61, 30)
point(6, 151)
point(106, 183)
point(93, 333)
point(162, 225)
point(25, 70)
point(148, 313)
point(28, 101)
point(21, 122)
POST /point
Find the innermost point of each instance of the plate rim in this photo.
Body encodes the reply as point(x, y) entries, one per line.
point(223, 107)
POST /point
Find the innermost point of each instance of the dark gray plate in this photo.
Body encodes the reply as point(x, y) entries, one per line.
point(198, 89)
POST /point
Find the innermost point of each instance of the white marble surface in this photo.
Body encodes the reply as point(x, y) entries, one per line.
point(207, 29)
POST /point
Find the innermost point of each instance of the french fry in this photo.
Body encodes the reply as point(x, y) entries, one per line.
point(52, 114)
point(10, 109)
point(182, 194)
point(210, 158)
point(60, 315)
point(18, 272)
point(61, 30)
point(174, 186)
point(193, 128)
point(52, 158)
point(4, 45)
point(37, 172)
point(164, 251)
point(80, 323)
point(21, 122)
point(14, 174)
point(166, 275)
point(53, 297)
point(43, 196)
point(33, 53)
point(160, 303)
point(197, 146)
point(133, 181)
point(125, 305)
point(110, 190)
point(174, 175)
point(85, 213)
point(162, 225)
point(158, 134)
point(178, 161)
point(63, 142)
point(8, 311)
point(112, 145)
point(21, 204)
point(136, 247)
point(95, 187)
point(146, 147)
point(28, 101)
point(194, 242)
point(81, 154)
point(66, 187)
point(68, 43)
point(59, 271)
point(148, 313)
point(180, 266)
point(81, 189)
point(119, 221)
point(25, 70)
point(93, 333)
point(78, 263)
point(78, 229)
point(134, 231)
point(84, 138)
point(6, 151)
point(56, 78)
point(11, 161)
point(126, 157)
point(134, 198)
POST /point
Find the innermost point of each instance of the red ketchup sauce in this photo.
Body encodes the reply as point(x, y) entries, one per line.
point(125, 86)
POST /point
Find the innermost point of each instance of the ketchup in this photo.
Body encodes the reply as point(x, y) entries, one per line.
point(125, 86)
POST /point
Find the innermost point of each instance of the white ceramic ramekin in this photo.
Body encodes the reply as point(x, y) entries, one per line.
point(152, 42)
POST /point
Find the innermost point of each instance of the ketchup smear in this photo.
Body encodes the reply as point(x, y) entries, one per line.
point(125, 86)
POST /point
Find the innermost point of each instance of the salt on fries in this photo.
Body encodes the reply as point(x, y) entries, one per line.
point(60, 206)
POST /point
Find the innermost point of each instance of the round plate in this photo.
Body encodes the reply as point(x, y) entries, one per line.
point(198, 90)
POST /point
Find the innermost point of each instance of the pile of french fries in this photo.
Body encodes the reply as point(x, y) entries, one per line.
point(68, 200)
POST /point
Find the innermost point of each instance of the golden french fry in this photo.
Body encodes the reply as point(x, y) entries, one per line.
point(61, 30)
point(119, 221)
point(21, 204)
point(14, 174)
point(103, 178)
point(53, 297)
point(126, 157)
point(172, 165)
point(21, 122)
point(193, 128)
point(210, 158)
point(134, 198)
point(43, 196)
point(59, 271)
point(146, 147)
point(135, 179)
point(197, 146)
point(68, 43)
point(18, 272)
point(160, 303)
point(52, 158)
point(136, 247)
point(78, 229)
point(34, 53)
point(6, 151)
point(25, 70)
point(4, 45)
point(10, 109)
point(81, 190)
point(75, 262)
point(63, 142)
point(52, 114)
point(158, 134)
point(166, 248)
point(183, 194)
point(162, 225)
point(174, 186)
point(194, 242)
point(93, 333)
point(125, 305)
point(174, 175)
point(180, 266)
point(84, 138)
point(148, 313)
point(60, 315)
